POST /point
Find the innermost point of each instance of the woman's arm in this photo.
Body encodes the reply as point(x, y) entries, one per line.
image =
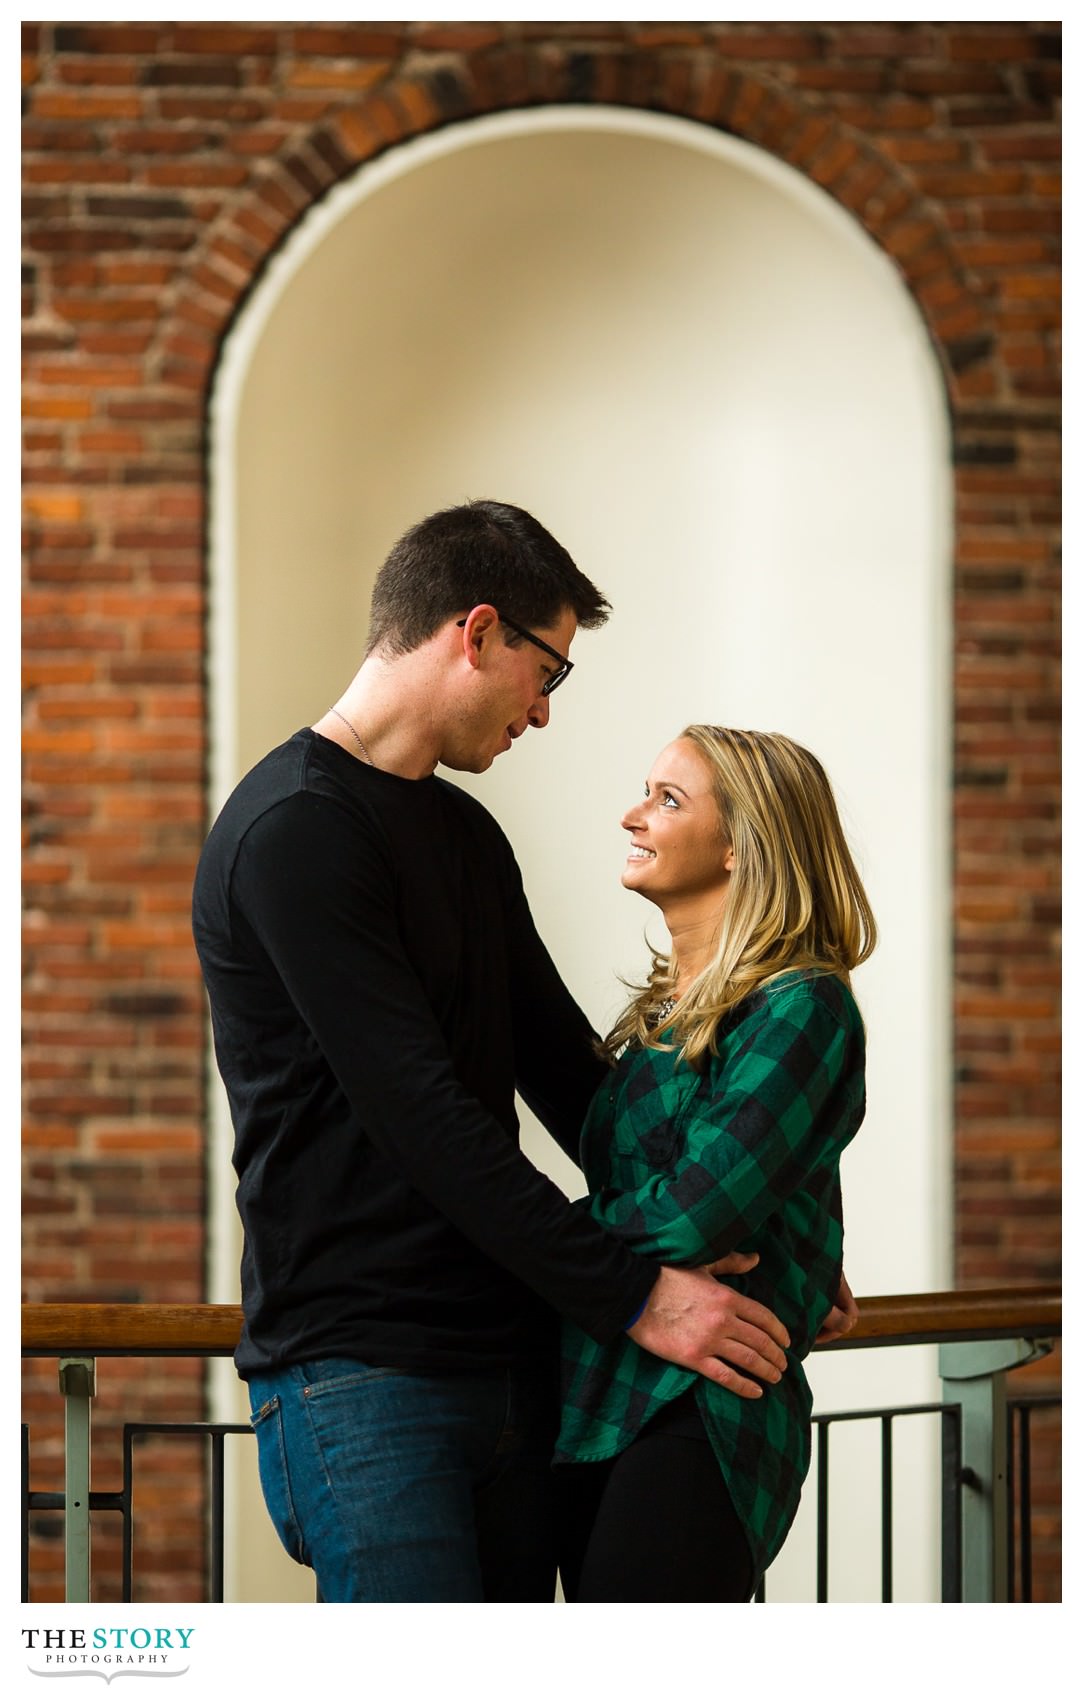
point(783, 1107)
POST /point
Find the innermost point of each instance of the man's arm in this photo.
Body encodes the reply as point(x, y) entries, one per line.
point(558, 1066)
point(325, 915)
point(699, 1324)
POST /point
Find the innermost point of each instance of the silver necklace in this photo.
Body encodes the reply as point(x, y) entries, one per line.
point(666, 1007)
point(350, 727)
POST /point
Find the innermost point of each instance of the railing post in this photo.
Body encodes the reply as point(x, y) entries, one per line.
point(973, 1375)
point(77, 1386)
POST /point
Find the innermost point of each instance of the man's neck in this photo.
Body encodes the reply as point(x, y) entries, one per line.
point(388, 710)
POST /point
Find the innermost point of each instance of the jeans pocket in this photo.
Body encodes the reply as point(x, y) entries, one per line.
point(341, 1375)
point(274, 1476)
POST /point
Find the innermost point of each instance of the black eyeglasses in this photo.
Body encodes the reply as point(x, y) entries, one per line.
point(562, 671)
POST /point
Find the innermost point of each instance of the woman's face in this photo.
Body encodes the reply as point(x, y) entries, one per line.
point(678, 853)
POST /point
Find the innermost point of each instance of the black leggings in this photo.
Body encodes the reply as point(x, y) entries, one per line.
point(656, 1523)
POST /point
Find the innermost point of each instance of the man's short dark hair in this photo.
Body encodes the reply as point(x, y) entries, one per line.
point(478, 552)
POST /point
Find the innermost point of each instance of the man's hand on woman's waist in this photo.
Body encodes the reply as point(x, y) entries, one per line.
point(696, 1321)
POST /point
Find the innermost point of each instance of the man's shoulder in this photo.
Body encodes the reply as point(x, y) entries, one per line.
point(278, 775)
point(288, 792)
point(255, 798)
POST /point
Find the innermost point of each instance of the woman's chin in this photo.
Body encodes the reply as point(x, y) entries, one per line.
point(632, 879)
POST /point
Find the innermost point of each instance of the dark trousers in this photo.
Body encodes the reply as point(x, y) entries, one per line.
point(654, 1524)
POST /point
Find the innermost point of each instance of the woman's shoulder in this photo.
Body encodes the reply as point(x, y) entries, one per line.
point(804, 993)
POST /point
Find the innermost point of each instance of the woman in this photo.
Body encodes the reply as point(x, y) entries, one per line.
point(740, 1081)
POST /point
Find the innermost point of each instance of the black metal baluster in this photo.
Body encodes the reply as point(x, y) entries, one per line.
point(218, 1517)
point(886, 1577)
point(25, 1591)
point(1027, 1580)
point(821, 1514)
point(951, 1507)
point(127, 1521)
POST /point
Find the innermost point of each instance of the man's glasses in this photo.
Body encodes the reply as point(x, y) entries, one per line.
point(562, 671)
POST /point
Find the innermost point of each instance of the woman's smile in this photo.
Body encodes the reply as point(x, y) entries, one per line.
point(678, 851)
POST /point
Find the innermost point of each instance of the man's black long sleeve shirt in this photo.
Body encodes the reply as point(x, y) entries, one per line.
point(378, 991)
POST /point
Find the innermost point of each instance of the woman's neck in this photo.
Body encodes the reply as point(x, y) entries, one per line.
point(694, 934)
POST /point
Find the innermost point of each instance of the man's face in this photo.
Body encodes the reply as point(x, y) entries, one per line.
point(506, 693)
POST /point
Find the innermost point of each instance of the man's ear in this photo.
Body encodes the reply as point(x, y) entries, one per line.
point(479, 627)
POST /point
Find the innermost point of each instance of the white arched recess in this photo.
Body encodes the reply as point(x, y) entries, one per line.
point(716, 391)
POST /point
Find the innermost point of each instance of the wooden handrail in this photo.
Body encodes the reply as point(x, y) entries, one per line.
point(985, 1313)
point(111, 1330)
point(131, 1330)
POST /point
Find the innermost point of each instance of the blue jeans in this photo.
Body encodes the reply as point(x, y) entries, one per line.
point(395, 1486)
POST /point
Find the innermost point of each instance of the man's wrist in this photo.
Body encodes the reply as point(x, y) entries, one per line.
point(628, 1326)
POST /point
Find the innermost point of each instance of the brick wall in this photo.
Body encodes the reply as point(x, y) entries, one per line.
point(163, 162)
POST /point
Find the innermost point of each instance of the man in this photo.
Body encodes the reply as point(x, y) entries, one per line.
point(378, 992)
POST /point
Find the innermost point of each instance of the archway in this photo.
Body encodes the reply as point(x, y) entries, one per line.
point(716, 390)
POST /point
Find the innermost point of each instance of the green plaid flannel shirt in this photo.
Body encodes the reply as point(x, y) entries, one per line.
point(686, 1167)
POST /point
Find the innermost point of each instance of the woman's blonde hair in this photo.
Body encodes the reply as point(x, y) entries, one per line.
point(794, 899)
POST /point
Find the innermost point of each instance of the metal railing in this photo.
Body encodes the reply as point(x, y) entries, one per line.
point(985, 1435)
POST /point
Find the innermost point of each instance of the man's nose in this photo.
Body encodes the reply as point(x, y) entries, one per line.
point(538, 714)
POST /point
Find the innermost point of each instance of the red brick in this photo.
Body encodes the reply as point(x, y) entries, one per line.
point(110, 38)
point(115, 342)
point(835, 80)
point(1033, 284)
point(44, 506)
point(967, 185)
point(226, 38)
point(89, 106)
point(99, 71)
point(648, 37)
point(984, 45)
point(765, 44)
point(70, 170)
point(57, 407)
point(215, 108)
point(356, 135)
point(456, 38)
point(356, 77)
point(97, 310)
point(75, 375)
point(943, 79)
point(417, 104)
point(206, 175)
point(348, 39)
point(1042, 146)
point(267, 139)
point(76, 274)
point(924, 150)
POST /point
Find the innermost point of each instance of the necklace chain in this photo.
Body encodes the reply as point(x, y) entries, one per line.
point(352, 728)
